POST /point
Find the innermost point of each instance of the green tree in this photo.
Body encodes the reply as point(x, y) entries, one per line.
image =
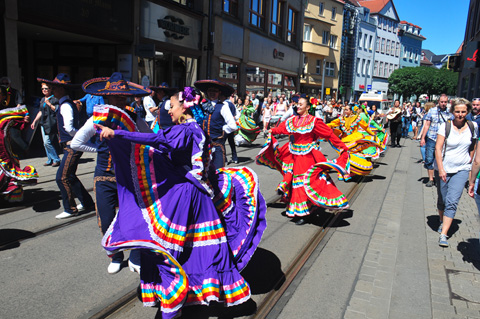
point(422, 80)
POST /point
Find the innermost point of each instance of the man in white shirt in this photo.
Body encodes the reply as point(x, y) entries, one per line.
point(150, 108)
point(219, 120)
point(68, 123)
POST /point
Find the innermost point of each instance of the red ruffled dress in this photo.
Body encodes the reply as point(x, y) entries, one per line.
point(306, 182)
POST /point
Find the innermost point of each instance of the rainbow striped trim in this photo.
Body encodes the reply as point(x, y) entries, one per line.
point(300, 125)
point(283, 187)
point(298, 209)
point(162, 229)
point(340, 202)
point(211, 290)
point(13, 113)
point(172, 298)
point(263, 158)
point(301, 149)
point(113, 117)
point(249, 182)
point(297, 181)
point(287, 168)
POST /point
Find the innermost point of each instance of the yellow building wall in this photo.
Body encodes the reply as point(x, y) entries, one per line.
point(315, 49)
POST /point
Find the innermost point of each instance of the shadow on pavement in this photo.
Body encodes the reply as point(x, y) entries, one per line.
point(85, 160)
point(424, 180)
point(263, 273)
point(470, 251)
point(434, 222)
point(9, 238)
point(217, 310)
point(370, 178)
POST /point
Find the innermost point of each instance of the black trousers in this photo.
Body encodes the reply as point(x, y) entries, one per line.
point(395, 132)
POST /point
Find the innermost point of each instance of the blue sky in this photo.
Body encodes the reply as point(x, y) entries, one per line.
point(443, 22)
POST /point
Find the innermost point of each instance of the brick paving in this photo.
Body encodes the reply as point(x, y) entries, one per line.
point(405, 274)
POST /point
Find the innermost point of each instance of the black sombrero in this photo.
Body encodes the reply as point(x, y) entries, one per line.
point(204, 85)
point(114, 85)
point(164, 86)
point(62, 79)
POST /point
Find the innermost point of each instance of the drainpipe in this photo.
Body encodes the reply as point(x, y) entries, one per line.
point(323, 77)
point(209, 39)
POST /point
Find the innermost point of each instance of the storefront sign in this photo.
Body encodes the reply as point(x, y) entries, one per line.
point(174, 27)
point(472, 55)
point(361, 86)
point(278, 54)
point(327, 91)
point(169, 25)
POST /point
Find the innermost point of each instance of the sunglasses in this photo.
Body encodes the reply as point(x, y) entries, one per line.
point(476, 99)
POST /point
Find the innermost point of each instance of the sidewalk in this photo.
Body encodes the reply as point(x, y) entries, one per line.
point(404, 273)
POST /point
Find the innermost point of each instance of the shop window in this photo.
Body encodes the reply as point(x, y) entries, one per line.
point(256, 13)
point(255, 74)
point(274, 78)
point(228, 71)
point(276, 21)
point(230, 7)
point(289, 81)
point(292, 26)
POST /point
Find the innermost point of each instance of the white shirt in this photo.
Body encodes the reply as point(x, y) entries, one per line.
point(287, 114)
point(148, 103)
point(67, 114)
point(231, 124)
point(82, 140)
point(457, 157)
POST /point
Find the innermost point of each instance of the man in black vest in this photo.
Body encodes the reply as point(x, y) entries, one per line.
point(163, 94)
point(68, 124)
point(219, 120)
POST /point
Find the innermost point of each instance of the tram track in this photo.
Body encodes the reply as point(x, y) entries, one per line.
point(266, 306)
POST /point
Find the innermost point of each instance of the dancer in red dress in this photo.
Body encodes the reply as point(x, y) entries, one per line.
point(306, 182)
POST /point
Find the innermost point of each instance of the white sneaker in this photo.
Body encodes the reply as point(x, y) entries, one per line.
point(64, 215)
point(133, 267)
point(80, 207)
point(114, 267)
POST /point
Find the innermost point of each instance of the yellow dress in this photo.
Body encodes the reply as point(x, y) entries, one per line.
point(348, 129)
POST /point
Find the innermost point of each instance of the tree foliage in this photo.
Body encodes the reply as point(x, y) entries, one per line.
point(422, 80)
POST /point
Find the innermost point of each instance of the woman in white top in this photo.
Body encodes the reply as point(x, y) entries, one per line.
point(453, 163)
point(281, 107)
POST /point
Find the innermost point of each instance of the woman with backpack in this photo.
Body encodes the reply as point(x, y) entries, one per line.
point(454, 149)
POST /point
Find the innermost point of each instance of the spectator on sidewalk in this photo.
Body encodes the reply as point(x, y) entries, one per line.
point(474, 115)
point(48, 124)
point(68, 124)
point(428, 106)
point(90, 101)
point(453, 154)
point(431, 123)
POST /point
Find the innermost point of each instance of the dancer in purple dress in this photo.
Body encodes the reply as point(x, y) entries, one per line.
point(194, 238)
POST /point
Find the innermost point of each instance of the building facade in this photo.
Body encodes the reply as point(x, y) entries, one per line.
point(387, 46)
point(322, 35)
point(469, 79)
point(365, 53)
point(256, 45)
point(411, 44)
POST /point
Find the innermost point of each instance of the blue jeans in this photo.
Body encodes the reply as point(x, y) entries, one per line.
point(449, 192)
point(52, 155)
point(429, 152)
